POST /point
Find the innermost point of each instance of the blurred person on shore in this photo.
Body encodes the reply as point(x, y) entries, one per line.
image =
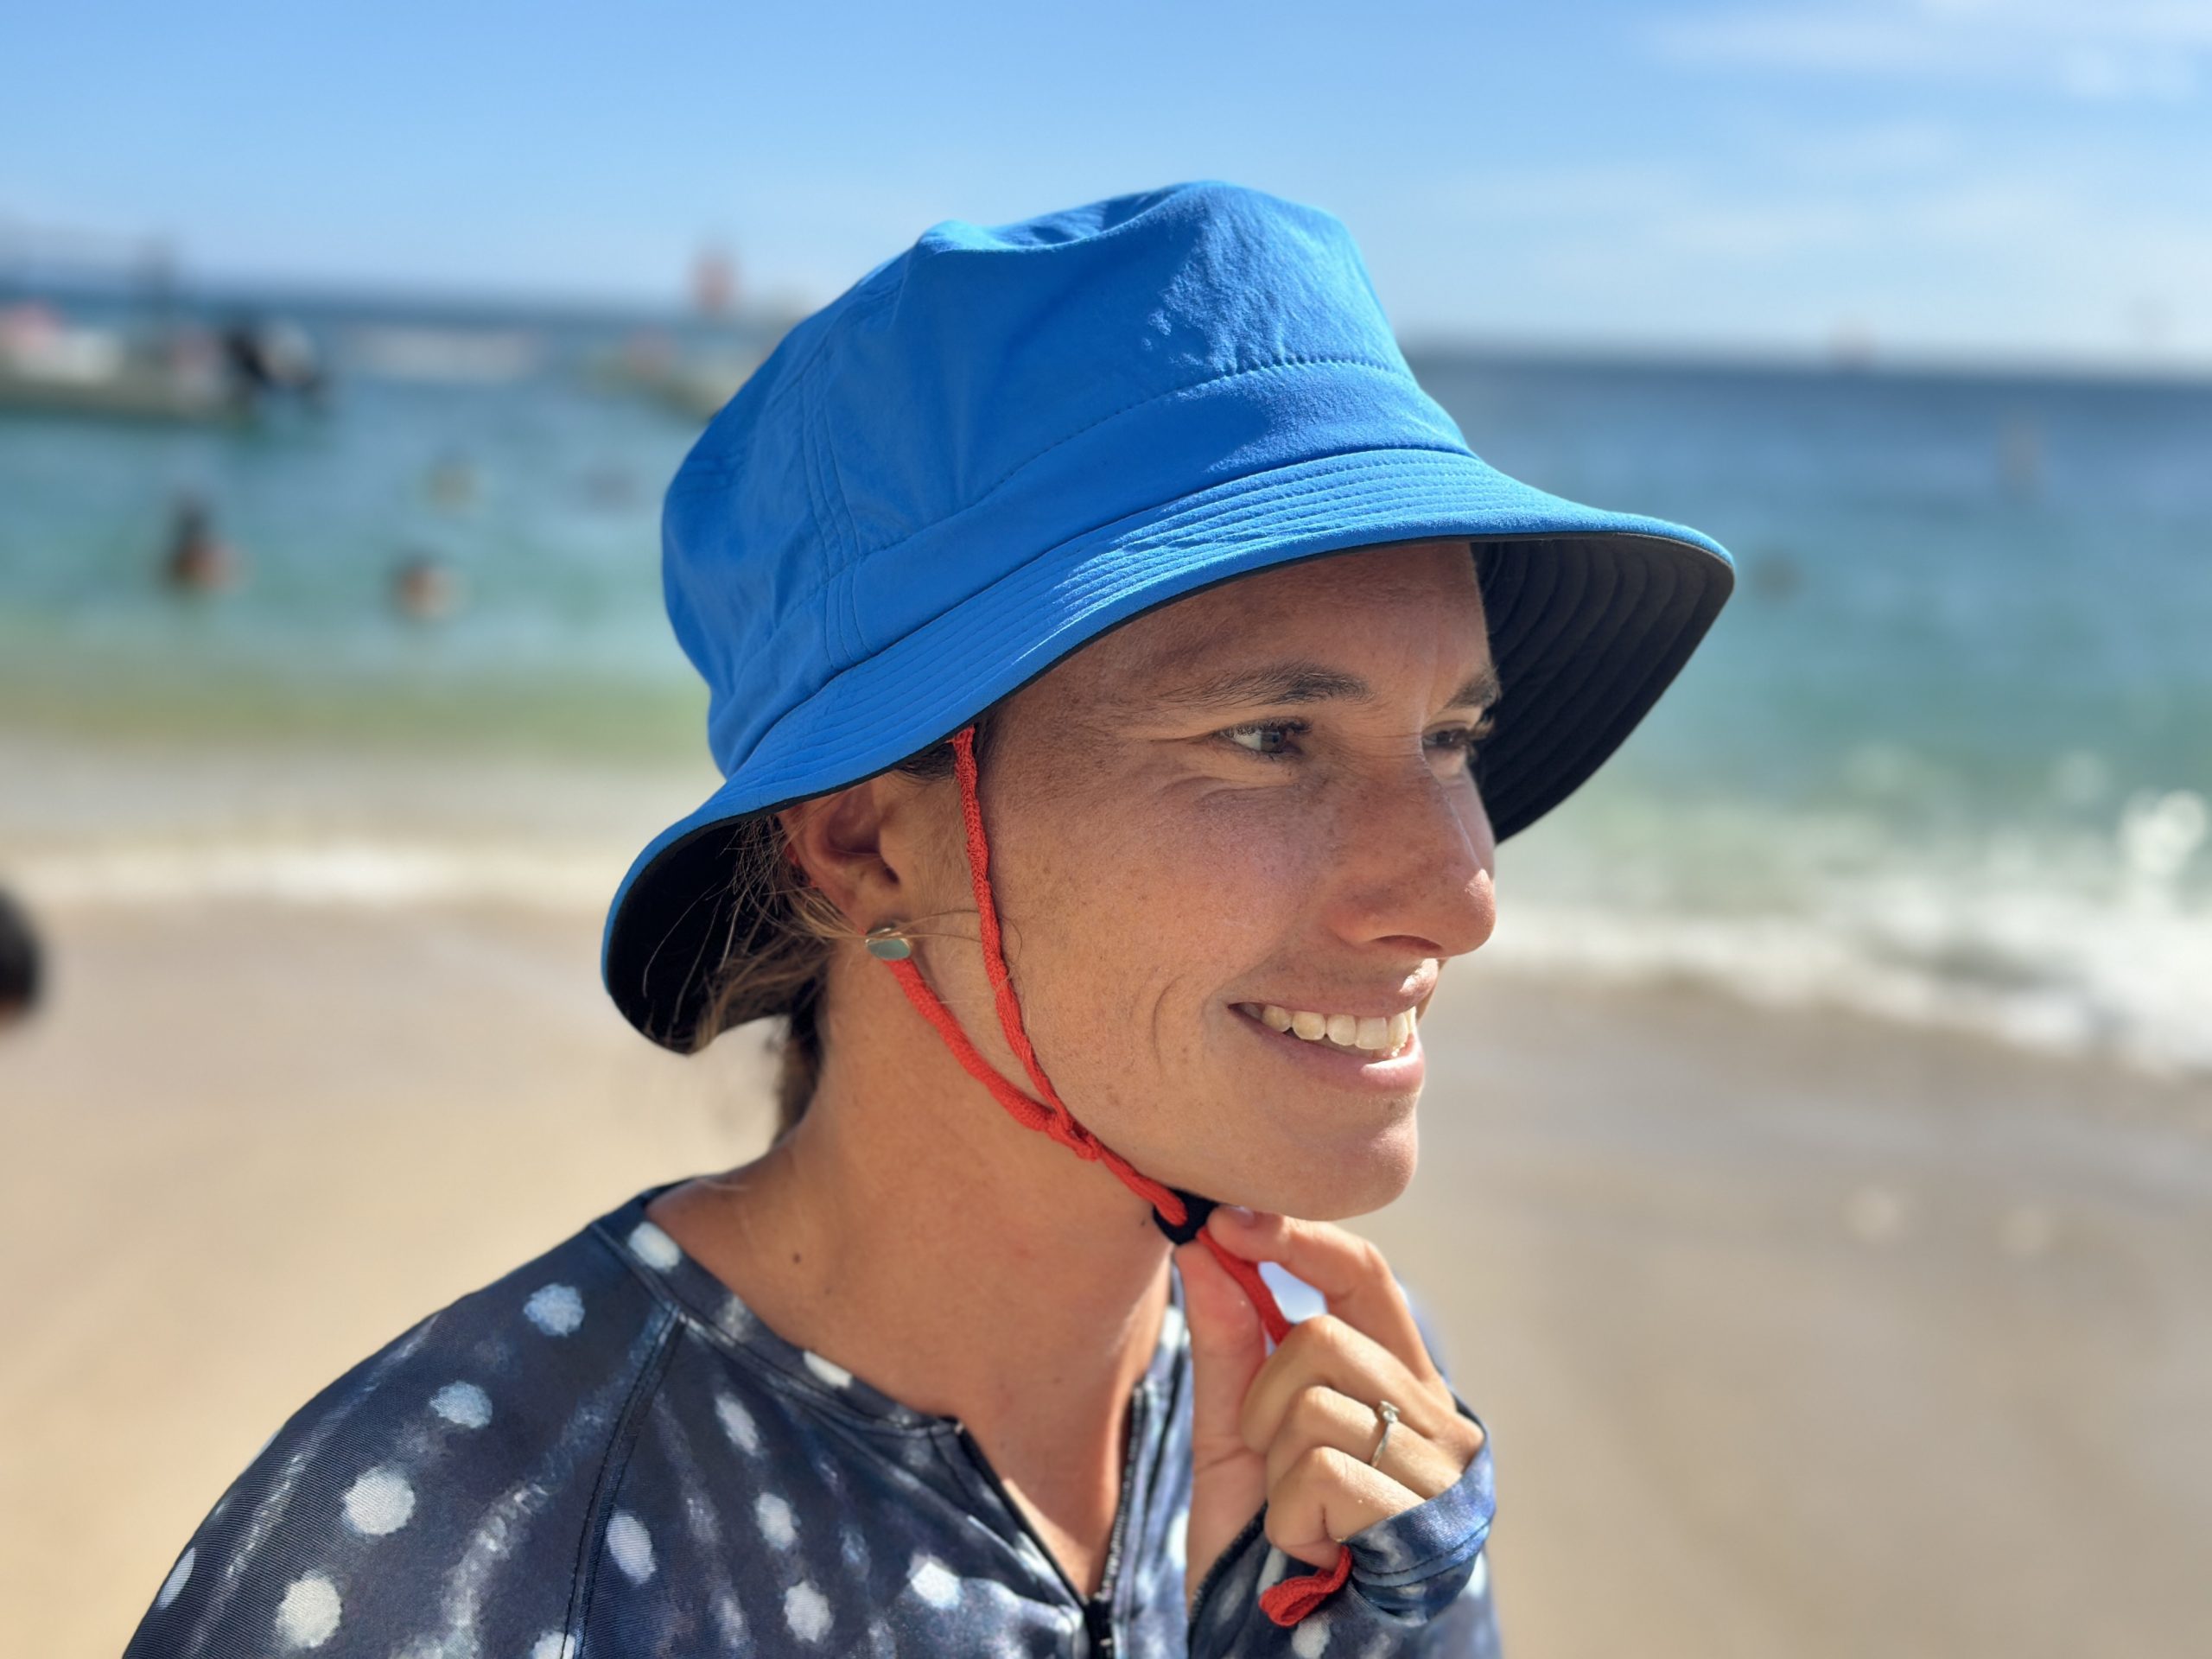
point(19, 964)
point(1116, 747)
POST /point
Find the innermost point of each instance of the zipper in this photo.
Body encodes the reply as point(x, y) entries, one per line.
point(1098, 1620)
point(1098, 1610)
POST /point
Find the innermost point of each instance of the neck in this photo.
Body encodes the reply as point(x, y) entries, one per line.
point(912, 1231)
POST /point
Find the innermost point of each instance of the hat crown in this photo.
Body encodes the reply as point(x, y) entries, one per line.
point(991, 392)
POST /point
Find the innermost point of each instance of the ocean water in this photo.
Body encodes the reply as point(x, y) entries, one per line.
point(1946, 758)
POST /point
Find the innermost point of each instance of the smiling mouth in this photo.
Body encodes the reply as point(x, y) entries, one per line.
point(1372, 1036)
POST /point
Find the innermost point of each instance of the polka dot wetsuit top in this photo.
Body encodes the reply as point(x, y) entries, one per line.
point(606, 1455)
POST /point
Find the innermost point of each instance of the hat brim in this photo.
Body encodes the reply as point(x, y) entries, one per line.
point(1591, 612)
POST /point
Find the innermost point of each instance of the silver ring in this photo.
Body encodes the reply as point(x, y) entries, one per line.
point(1387, 1414)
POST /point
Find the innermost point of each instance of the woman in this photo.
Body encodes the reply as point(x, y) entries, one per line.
point(1123, 674)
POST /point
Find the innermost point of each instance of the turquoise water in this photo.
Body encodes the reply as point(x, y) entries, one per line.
point(1946, 757)
point(540, 492)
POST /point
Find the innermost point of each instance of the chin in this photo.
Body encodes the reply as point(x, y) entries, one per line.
point(1318, 1182)
point(1345, 1192)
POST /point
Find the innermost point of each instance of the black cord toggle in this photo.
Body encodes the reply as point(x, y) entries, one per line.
point(1195, 1212)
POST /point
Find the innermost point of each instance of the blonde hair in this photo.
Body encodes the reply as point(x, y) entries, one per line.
point(778, 961)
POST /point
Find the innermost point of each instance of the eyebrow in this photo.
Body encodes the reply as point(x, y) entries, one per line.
point(1294, 683)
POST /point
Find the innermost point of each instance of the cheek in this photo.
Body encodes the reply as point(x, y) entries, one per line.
point(1173, 903)
point(1242, 866)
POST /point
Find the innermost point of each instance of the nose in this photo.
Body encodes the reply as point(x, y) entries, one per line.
point(1418, 859)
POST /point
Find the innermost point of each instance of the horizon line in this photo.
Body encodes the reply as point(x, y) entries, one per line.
point(1855, 356)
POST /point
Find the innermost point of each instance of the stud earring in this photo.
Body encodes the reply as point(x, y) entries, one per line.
point(889, 943)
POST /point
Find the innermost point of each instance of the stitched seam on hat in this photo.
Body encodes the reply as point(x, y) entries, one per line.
point(1335, 465)
point(1307, 488)
point(1322, 486)
point(825, 523)
point(714, 474)
point(863, 556)
point(849, 612)
point(843, 618)
point(993, 488)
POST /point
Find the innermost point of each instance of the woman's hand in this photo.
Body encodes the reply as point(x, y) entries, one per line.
point(1293, 1429)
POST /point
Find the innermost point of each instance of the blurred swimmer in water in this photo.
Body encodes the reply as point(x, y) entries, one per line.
point(425, 589)
point(198, 561)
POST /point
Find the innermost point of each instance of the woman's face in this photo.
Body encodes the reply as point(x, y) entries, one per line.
point(1251, 802)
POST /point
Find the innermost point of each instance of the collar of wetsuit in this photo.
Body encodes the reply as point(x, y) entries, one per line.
point(1195, 1212)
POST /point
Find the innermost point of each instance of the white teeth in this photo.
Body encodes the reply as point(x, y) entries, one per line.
point(1370, 1033)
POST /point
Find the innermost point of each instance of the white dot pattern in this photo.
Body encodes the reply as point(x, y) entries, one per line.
point(729, 1619)
point(630, 1546)
point(738, 1494)
point(807, 1612)
point(654, 1248)
point(737, 1423)
point(309, 1615)
point(777, 1526)
point(558, 1310)
point(379, 1501)
point(179, 1576)
point(462, 1404)
point(933, 1581)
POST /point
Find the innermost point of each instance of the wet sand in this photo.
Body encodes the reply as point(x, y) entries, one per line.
point(1796, 1333)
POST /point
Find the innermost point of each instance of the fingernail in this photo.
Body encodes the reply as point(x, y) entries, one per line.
point(1239, 1214)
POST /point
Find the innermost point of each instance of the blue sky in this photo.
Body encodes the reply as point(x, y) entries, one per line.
point(1958, 177)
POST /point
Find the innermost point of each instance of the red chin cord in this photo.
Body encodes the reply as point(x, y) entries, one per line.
point(1178, 1214)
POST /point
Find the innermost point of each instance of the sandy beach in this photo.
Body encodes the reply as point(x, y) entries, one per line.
point(1796, 1333)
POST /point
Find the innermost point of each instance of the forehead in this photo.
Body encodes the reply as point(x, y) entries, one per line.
point(1415, 607)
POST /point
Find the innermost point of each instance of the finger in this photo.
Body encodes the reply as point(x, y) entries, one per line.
point(1321, 1417)
point(1326, 1351)
point(1229, 1479)
point(1228, 1344)
point(1345, 1267)
point(1324, 1499)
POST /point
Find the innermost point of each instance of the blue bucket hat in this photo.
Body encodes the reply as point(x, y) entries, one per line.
point(1004, 442)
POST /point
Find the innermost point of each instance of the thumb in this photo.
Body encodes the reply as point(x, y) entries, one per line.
point(1229, 1481)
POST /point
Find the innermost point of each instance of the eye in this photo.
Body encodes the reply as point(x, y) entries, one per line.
point(1270, 740)
point(1273, 740)
point(1460, 742)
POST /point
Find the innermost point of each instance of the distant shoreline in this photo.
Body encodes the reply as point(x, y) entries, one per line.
point(337, 303)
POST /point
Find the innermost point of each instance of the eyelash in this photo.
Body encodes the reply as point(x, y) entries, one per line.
point(1463, 738)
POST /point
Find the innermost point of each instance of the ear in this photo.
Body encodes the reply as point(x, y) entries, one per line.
point(849, 844)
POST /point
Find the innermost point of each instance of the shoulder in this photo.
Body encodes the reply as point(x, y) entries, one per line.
point(440, 1494)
